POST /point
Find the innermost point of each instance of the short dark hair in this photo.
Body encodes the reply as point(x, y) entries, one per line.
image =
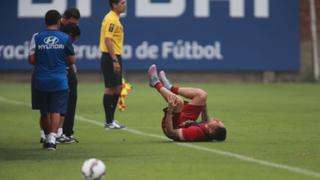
point(72, 13)
point(111, 2)
point(220, 134)
point(72, 29)
point(52, 17)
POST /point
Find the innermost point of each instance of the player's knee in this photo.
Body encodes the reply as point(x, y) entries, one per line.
point(109, 91)
point(201, 94)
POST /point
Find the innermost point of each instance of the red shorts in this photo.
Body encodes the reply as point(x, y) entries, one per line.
point(188, 112)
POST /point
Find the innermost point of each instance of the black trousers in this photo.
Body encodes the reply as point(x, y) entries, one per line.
point(72, 104)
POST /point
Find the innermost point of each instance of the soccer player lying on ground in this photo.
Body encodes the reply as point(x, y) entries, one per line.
point(179, 121)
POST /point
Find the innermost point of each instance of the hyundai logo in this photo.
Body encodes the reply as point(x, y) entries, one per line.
point(51, 40)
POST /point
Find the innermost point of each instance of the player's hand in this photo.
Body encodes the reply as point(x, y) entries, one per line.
point(172, 101)
point(116, 67)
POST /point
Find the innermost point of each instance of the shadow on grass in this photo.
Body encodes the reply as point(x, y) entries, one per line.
point(39, 154)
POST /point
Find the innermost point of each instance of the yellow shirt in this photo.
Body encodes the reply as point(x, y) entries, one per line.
point(112, 28)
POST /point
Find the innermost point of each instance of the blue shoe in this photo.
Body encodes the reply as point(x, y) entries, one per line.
point(166, 83)
point(153, 75)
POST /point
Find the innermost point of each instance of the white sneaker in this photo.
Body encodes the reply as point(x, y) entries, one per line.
point(114, 125)
point(165, 81)
point(153, 75)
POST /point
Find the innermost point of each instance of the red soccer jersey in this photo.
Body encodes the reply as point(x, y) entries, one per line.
point(194, 133)
point(190, 133)
point(188, 112)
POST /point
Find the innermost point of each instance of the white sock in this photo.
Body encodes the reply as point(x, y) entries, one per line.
point(60, 132)
point(51, 138)
point(42, 135)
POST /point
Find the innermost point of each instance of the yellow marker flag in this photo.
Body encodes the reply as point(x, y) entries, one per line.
point(126, 88)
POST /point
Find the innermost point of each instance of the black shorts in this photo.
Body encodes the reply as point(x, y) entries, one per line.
point(52, 102)
point(111, 79)
point(34, 100)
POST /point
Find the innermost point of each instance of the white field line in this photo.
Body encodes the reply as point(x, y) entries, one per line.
point(192, 146)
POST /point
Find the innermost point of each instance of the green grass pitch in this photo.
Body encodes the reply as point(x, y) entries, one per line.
point(273, 133)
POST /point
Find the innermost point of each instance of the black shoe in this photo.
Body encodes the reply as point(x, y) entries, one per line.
point(62, 139)
point(49, 146)
point(72, 139)
point(66, 139)
point(42, 140)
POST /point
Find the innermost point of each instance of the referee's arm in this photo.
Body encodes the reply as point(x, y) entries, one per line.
point(109, 45)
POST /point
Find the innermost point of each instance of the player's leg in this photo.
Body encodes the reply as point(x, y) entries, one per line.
point(57, 105)
point(61, 137)
point(108, 104)
point(116, 97)
point(106, 68)
point(44, 120)
point(72, 104)
point(70, 116)
point(44, 107)
point(154, 82)
point(196, 95)
point(165, 93)
point(44, 124)
point(112, 91)
point(54, 126)
point(191, 111)
point(114, 124)
point(36, 106)
point(60, 129)
point(117, 80)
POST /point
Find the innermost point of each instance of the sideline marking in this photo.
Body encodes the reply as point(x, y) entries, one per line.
point(224, 153)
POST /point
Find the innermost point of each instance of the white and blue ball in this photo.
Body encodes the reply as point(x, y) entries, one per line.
point(93, 169)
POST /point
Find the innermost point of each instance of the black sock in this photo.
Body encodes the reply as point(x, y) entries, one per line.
point(108, 107)
point(115, 102)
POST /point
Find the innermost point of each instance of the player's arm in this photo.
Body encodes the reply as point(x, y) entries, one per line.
point(204, 114)
point(109, 34)
point(109, 45)
point(71, 59)
point(187, 123)
point(75, 69)
point(113, 55)
point(172, 133)
point(32, 50)
point(32, 59)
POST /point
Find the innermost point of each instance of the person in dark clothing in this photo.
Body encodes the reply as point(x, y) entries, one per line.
point(74, 32)
point(69, 25)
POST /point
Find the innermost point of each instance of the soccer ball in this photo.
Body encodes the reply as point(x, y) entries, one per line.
point(93, 169)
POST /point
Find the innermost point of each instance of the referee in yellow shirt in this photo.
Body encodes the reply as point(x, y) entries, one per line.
point(111, 45)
